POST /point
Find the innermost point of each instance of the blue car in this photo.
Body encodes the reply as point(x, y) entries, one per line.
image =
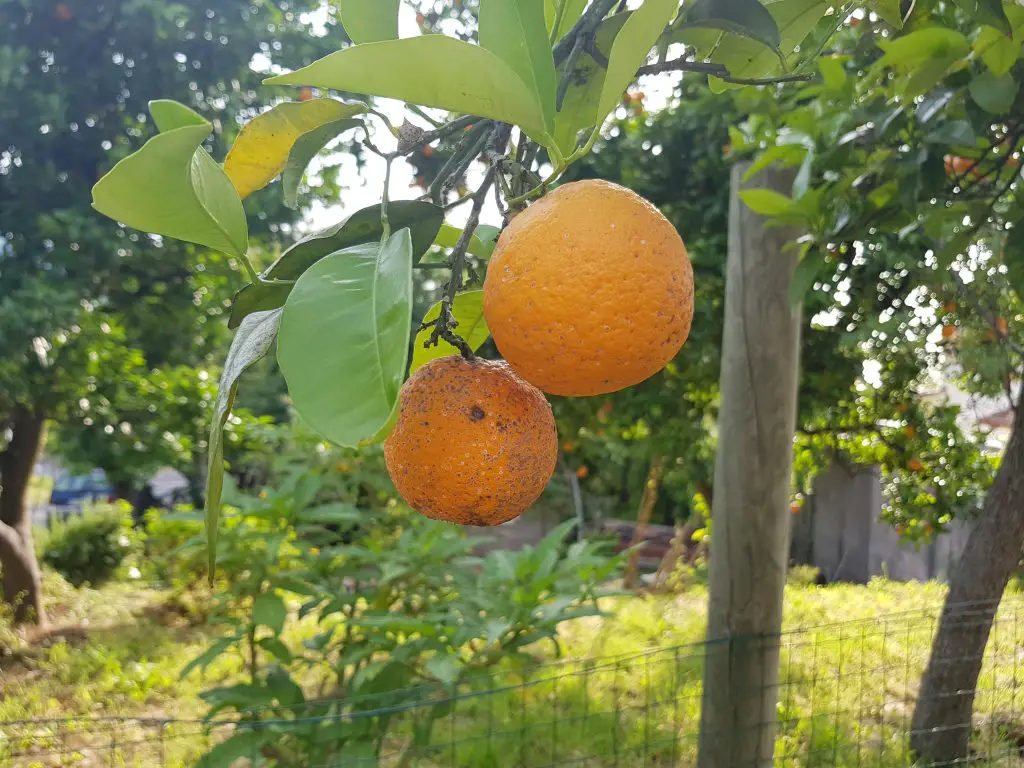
point(79, 490)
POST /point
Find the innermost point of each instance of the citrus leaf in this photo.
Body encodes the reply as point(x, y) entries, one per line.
point(172, 187)
point(893, 12)
point(448, 236)
point(306, 148)
point(344, 338)
point(468, 310)
point(998, 51)
point(993, 94)
point(917, 48)
point(168, 115)
point(767, 202)
point(515, 32)
point(433, 71)
point(747, 18)
point(629, 51)
point(583, 96)
point(251, 343)
point(1013, 258)
point(364, 226)
point(367, 21)
point(260, 151)
point(804, 276)
point(269, 610)
point(989, 12)
point(244, 743)
point(571, 12)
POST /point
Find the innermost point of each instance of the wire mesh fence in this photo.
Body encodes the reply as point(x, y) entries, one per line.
point(844, 696)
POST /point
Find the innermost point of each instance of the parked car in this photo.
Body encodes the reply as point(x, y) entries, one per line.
point(78, 490)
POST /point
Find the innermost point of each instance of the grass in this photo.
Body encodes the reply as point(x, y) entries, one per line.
point(626, 691)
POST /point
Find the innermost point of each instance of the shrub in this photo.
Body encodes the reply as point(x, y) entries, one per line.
point(89, 548)
point(174, 552)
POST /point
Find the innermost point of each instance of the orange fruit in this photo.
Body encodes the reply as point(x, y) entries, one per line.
point(1002, 327)
point(589, 290)
point(910, 430)
point(948, 331)
point(474, 443)
point(950, 306)
point(915, 465)
point(582, 472)
point(63, 13)
point(305, 94)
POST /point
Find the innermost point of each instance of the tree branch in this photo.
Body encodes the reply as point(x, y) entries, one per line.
point(719, 71)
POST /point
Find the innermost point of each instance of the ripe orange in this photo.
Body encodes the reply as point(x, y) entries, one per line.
point(589, 290)
point(1002, 327)
point(474, 443)
point(950, 306)
point(305, 94)
point(915, 465)
point(948, 331)
point(582, 472)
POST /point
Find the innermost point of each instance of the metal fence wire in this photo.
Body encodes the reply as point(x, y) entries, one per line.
point(844, 697)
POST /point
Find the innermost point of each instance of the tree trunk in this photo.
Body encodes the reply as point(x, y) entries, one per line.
point(750, 512)
point(941, 727)
point(643, 519)
point(20, 580)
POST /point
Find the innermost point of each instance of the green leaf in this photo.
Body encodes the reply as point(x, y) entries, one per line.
point(333, 513)
point(515, 32)
point(989, 12)
point(444, 667)
point(423, 220)
point(468, 310)
point(245, 743)
point(269, 610)
point(261, 150)
point(893, 12)
point(747, 18)
point(368, 21)
point(1013, 258)
point(168, 115)
point(767, 202)
point(433, 71)
point(993, 94)
point(252, 341)
point(448, 236)
point(998, 51)
point(306, 148)
point(629, 51)
point(921, 46)
point(284, 688)
point(276, 648)
point(207, 657)
point(571, 12)
point(583, 96)
point(172, 187)
point(345, 338)
point(804, 276)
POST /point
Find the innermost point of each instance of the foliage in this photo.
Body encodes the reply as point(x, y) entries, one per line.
point(90, 548)
point(526, 72)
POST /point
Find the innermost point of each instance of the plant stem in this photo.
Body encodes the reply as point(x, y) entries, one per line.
point(385, 225)
point(559, 14)
point(254, 276)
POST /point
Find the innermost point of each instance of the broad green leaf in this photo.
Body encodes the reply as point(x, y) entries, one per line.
point(252, 341)
point(917, 48)
point(306, 148)
point(172, 187)
point(571, 12)
point(488, 235)
point(747, 58)
point(993, 94)
point(988, 12)
point(245, 743)
point(168, 115)
point(344, 338)
point(207, 657)
point(423, 220)
point(767, 202)
point(804, 276)
point(448, 236)
point(514, 31)
point(260, 151)
point(468, 309)
point(629, 51)
point(893, 12)
point(998, 51)
point(1013, 258)
point(747, 18)
point(433, 71)
point(368, 21)
point(332, 513)
point(444, 667)
point(583, 96)
point(269, 610)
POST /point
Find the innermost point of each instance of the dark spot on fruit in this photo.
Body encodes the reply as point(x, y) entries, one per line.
point(476, 413)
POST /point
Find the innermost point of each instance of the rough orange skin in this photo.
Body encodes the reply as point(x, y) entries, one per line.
point(589, 290)
point(474, 443)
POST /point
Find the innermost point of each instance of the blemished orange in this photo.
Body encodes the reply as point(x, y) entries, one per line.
point(474, 444)
point(589, 290)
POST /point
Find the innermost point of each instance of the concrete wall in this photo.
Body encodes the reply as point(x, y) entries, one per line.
point(839, 531)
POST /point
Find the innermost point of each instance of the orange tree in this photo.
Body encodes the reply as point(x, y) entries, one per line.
point(542, 78)
point(908, 151)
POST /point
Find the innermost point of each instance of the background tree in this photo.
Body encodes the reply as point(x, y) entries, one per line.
point(82, 300)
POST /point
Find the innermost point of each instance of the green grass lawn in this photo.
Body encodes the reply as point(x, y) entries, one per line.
point(625, 692)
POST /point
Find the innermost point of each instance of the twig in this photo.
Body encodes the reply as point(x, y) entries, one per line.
point(570, 66)
point(719, 71)
point(585, 26)
point(464, 154)
point(443, 327)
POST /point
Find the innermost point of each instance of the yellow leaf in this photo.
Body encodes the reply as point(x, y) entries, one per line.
point(261, 149)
